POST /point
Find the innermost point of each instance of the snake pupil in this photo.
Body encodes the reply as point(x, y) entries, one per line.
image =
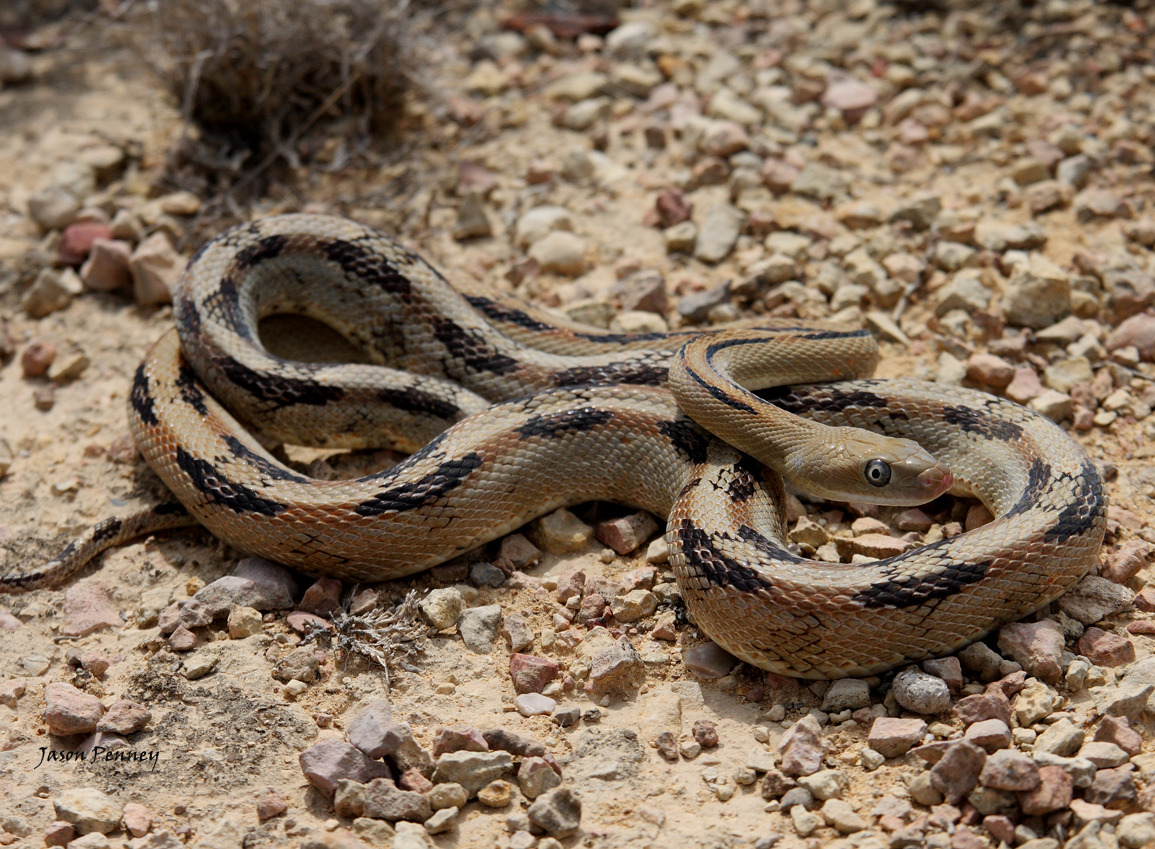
point(878, 473)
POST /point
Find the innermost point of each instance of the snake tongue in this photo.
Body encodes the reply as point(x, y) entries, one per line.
point(934, 482)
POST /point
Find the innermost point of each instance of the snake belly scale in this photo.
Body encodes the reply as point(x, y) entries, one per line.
point(512, 413)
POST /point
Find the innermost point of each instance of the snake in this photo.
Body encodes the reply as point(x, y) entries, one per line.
point(508, 412)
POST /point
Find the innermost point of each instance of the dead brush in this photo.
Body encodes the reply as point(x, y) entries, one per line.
point(268, 82)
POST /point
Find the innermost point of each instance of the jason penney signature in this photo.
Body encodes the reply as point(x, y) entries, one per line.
point(100, 755)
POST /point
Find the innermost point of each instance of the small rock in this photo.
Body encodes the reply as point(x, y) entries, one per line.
point(1009, 769)
point(1103, 754)
point(1117, 730)
point(53, 208)
point(156, 267)
point(1038, 294)
point(825, 784)
point(841, 817)
point(561, 532)
point(137, 819)
point(244, 622)
point(384, 800)
point(1038, 646)
point(556, 812)
point(846, 694)
point(442, 607)
point(957, 772)
point(921, 693)
point(1053, 792)
point(1062, 738)
point(447, 795)
point(718, 232)
point(626, 533)
point(990, 734)
point(1106, 649)
point(617, 669)
point(51, 291)
point(893, 737)
point(270, 804)
point(479, 626)
point(850, 97)
point(331, 760)
point(560, 252)
point(1113, 788)
point(472, 222)
point(68, 710)
point(802, 748)
point(349, 798)
point(534, 704)
point(472, 770)
point(442, 820)
point(125, 717)
point(706, 733)
point(535, 776)
point(88, 809)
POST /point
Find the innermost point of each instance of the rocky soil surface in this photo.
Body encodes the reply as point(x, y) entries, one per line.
point(973, 183)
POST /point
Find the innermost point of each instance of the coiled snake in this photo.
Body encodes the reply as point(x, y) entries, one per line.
point(543, 413)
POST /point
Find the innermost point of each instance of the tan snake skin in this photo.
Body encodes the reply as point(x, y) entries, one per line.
point(547, 413)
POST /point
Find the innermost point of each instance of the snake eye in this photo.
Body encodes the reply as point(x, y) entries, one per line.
point(877, 473)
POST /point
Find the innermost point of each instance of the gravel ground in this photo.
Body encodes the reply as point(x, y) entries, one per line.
point(975, 184)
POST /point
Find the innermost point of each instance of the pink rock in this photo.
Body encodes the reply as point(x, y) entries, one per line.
point(1104, 648)
point(893, 737)
point(802, 747)
point(530, 673)
point(125, 717)
point(957, 772)
point(1117, 730)
point(68, 710)
point(412, 779)
point(1010, 769)
point(1024, 386)
point(673, 207)
point(300, 621)
point(36, 357)
point(948, 669)
point(990, 734)
point(1126, 563)
point(182, 639)
point(88, 607)
point(322, 597)
point(1038, 646)
point(11, 691)
point(270, 804)
point(1054, 792)
point(59, 833)
point(850, 97)
point(709, 660)
point(517, 552)
point(571, 585)
point(1137, 331)
point(626, 533)
point(137, 819)
point(77, 239)
point(327, 762)
point(464, 739)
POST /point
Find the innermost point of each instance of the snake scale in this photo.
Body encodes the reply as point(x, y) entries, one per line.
point(512, 412)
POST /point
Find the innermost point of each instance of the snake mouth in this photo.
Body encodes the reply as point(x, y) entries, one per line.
point(934, 482)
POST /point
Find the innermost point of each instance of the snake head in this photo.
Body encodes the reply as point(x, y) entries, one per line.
point(856, 465)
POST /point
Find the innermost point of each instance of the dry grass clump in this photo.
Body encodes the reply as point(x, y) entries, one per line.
point(268, 81)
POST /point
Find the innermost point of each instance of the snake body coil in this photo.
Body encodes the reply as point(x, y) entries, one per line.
point(542, 413)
